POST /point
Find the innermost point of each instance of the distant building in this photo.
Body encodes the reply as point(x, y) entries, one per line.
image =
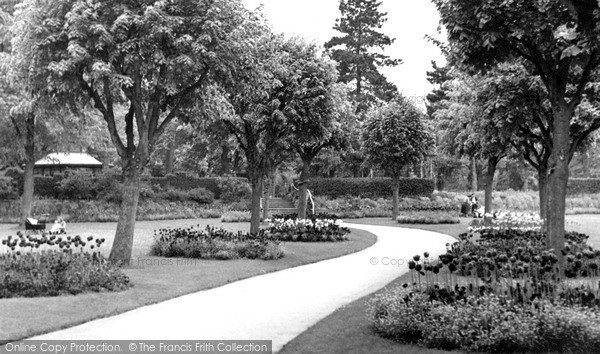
point(61, 161)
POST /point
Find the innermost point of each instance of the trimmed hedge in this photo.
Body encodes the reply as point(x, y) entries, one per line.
point(583, 186)
point(370, 187)
point(186, 183)
point(84, 186)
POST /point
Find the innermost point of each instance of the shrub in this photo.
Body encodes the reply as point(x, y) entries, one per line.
point(77, 186)
point(47, 187)
point(236, 216)
point(369, 187)
point(50, 266)
point(201, 196)
point(213, 243)
point(234, 189)
point(7, 189)
point(484, 324)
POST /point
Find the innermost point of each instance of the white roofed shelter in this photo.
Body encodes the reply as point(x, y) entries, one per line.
point(61, 161)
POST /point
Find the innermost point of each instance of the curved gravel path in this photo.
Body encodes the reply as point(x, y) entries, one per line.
point(276, 306)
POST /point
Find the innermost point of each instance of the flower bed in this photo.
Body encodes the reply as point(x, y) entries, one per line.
point(307, 230)
point(498, 290)
point(428, 217)
point(49, 266)
point(485, 323)
point(505, 220)
point(214, 243)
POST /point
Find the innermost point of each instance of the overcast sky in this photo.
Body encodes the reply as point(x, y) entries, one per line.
point(408, 21)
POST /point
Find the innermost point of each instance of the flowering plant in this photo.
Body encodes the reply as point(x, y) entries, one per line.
point(307, 230)
point(507, 220)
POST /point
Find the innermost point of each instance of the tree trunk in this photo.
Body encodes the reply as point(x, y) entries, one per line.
point(303, 187)
point(557, 180)
point(473, 170)
point(543, 192)
point(170, 156)
point(28, 177)
point(123, 244)
point(395, 197)
point(256, 184)
point(268, 192)
point(489, 185)
point(225, 161)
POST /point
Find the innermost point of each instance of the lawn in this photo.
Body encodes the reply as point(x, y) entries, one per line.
point(155, 279)
point(347, 330)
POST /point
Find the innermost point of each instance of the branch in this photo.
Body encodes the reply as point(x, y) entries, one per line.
point(16, 125)
point(112, 127)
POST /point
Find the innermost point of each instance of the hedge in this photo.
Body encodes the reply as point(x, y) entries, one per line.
point(186, 183)
point(583, 186)
point(369, 187)
point(51, 187)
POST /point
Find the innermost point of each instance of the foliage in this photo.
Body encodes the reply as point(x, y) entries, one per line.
point(108, 211)
point(50, 265)
point(307, 230)
point(234, 190)
point(369, 187)
point(395, 136)
point(579, 186)
point(484, 324)
point(7, 189)
point(357, 51)
point(214, 243)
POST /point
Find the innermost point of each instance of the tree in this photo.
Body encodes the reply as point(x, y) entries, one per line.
point(149, 59)
point(356, 51)
point(24, 95)
point(395, 137)
point(559, 42)
point(318, 125)
point(253, 103)
point(467, 131)
point(518, 105)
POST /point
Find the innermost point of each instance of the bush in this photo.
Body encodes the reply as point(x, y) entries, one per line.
point(66, 266)
point(369, 187)
point(7, 189)
point(484, 324)
point(236, 216)
point(214, 243)
point(201, 196)
point(77, 186)
point(47, 187)
point(234, 190)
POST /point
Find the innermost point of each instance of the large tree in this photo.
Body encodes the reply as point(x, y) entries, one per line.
point(358, 51)
point(254, 105)
point(395, 137)
point(559, 42)
point(517, 105)
point(149, 57)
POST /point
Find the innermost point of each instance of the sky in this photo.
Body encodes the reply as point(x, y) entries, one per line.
point(408, 22)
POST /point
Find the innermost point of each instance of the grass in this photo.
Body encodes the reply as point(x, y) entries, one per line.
point(154, 279)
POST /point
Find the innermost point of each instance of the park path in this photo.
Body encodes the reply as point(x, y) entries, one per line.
point(276, 306)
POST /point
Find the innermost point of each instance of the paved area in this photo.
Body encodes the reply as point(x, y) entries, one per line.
point(276, 306)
